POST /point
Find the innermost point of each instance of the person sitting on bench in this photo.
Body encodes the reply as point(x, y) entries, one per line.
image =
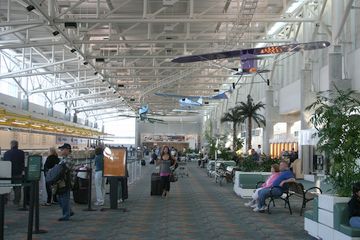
point(275, 171)
point(285, 176)
point(354, 207)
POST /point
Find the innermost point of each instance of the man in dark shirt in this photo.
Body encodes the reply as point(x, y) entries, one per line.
point(17, 159)
point(354, 207)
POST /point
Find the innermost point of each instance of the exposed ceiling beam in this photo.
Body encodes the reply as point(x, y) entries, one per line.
point(206, 19)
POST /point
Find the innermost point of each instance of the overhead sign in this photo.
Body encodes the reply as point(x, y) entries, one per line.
point(33, 170)
point(5, 172)
point(114, 162)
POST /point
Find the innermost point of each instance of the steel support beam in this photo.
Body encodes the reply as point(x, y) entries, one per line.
point(59, 87)
point(9, 74)
point(88, 96)
point(207, 19)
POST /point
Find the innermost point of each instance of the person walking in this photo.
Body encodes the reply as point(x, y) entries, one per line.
point(166, 161)
point(17, 159)
point(64, 185)
point(50, 162)
point(99, 180)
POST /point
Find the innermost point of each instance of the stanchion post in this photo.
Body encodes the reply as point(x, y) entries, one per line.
point(37, 229)
point(89, 191)
point(31, 212)
point(2, 215)
point(140, 171)
point(24, 208)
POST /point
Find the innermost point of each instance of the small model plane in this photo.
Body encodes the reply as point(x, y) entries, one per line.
point(249, 56)
point(142, 115)
point(194, 101)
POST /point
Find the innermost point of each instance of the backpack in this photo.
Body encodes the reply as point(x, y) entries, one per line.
point(55, 174)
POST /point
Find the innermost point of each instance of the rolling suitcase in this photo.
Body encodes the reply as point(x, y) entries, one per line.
point(80, 193)
point(143, 163)
point(156, 188)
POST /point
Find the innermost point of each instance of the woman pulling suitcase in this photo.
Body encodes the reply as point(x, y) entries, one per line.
point(166, 162)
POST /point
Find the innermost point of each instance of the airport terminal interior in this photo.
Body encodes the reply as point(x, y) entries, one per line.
point(231, 86)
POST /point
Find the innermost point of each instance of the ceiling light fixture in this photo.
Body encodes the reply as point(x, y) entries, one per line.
point(30, 8)
point(70, 24)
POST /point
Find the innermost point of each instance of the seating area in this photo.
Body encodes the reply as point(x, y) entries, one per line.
point(296, 189)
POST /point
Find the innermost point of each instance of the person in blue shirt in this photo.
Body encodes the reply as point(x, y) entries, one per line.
point(286, 175)
point(99, 180)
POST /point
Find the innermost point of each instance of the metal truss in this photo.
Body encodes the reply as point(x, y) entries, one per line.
point(116, 52)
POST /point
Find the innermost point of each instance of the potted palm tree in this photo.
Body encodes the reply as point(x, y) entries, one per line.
point(250, 111)
point(336, 118)
point(233, 116)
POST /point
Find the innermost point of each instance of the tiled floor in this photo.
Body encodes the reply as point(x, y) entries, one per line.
point(197, 208)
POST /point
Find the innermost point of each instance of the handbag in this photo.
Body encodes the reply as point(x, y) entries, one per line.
point(173, 177)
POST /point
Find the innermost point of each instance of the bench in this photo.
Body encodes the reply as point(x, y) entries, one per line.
point(341, 223)
point(244, 183)
point(294, 189)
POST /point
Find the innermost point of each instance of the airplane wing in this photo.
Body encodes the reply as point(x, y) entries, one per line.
point(295, 47)
point(176, 95)
point(128, 116)
point(155, 120)
point(220, 95)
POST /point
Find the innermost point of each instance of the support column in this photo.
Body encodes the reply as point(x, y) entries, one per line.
point(269, 128)
point(306, 97)
point(337, 11)
point(335, 70)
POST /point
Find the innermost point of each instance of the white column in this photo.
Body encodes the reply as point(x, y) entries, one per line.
point(269, 128)
point(337, 14)
point(306, 97)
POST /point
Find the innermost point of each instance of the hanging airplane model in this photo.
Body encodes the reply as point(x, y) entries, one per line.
point(142, 116)
point(194, 101)
point(249, 56)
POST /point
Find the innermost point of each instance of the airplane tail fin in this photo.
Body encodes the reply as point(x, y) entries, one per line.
point(200, 101)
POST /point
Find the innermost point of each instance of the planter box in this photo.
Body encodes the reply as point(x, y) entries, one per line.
point(340, 236)
point(326, 215)
point(325, 232)
point(327, 202)
point(245, 182)
point(311, 227)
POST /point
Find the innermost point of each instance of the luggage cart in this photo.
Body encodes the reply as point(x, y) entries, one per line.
point(182, 169)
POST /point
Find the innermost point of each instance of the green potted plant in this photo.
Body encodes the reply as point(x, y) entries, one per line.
point(336, 117)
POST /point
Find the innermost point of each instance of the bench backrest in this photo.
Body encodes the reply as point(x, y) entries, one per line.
point(248, 181)
point(341, 215)
point(296, 188)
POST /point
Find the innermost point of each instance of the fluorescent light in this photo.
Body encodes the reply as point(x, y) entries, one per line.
point(19, 123)
point(294, 6)
point(275, 28)
point(260, 45)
